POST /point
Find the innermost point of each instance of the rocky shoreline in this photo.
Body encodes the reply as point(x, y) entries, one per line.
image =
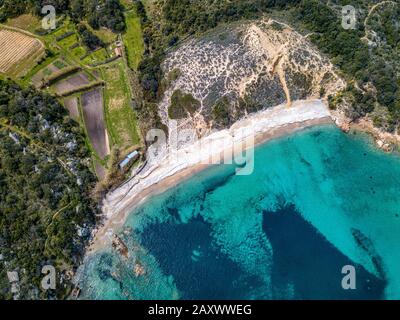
point(387, 142)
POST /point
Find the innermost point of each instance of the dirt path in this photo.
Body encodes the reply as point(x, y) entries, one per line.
point(277, 54)
point(373, 8)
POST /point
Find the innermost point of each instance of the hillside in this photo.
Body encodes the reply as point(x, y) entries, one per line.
point(240, 69)
point(366, 57)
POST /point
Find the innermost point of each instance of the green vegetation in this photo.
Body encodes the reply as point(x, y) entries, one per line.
point(44, 190)
point(59, 64)
point(96, 57)
point(90, 40)
point(107, 14)
point(221, 113)
point(371, 67)
point(43, 64)
point(60, 74)
point(120, 117)
point(133, 39)
point(182, 104)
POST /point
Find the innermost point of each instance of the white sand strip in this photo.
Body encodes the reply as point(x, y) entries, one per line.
point(120, 202)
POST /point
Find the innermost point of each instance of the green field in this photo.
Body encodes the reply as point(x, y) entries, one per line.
point(26, 80)
point(96, 56)
point(128, 4)
point(107, 36)
point(76, 54)
point(120, 117)
point(66, 43)
point(133, 39)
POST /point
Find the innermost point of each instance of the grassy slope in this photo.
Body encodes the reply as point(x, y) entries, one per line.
point(133, 39)
point(107, 36)
point(120, 118)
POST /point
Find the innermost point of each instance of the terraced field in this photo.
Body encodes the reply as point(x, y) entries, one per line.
point(38, 78)
point(18, 52)
point(103, 113)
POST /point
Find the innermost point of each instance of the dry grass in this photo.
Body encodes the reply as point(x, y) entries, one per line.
point(26, 22)
point(18, 52)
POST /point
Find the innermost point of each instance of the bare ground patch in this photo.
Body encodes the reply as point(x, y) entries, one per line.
point(92, 107)
point(74, 82)
point(100, 171)
point(71, 104)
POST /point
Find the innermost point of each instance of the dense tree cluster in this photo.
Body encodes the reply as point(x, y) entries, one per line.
point(98, 13)
point(107, 13)
point(88, 38)
point(46, 213)
point(182, 104)
point(375, 64)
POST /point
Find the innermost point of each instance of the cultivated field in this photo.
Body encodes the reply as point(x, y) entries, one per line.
point(77, 80)
point(38, 78)
point(18, 52)
point(92, 107)
point(71, 104)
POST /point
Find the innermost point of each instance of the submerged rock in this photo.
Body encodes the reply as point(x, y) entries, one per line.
point(139, 270)
point(120, 246)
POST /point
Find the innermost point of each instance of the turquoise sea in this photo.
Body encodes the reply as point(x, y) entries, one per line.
point(318, 200)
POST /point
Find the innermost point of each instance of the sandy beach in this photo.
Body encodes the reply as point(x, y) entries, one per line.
point(174, 165)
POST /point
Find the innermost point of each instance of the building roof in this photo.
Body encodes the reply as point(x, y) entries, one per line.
point(128, 158)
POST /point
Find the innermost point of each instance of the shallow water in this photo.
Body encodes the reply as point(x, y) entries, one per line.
point(318, 200)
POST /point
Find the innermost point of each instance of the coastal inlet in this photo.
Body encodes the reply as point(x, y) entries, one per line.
point(318, 200)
